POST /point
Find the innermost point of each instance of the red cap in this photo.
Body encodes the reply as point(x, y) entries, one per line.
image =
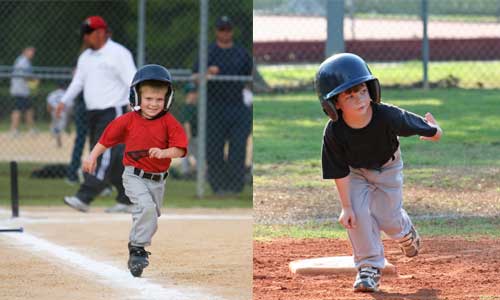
point(92, 23)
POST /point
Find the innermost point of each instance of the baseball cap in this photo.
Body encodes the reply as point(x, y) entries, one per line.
point(92, 23)
point(224, 22)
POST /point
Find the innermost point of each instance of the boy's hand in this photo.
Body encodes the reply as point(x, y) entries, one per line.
point(89, 165)
point(347, 218)
point(157, 153)
point(59, 109)
point(213, 70)
point(430, 119)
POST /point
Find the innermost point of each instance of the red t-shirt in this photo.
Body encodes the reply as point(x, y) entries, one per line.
point(140, 134)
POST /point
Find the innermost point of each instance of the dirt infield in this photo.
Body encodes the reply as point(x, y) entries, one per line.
point(204, 253)
point(453, 269)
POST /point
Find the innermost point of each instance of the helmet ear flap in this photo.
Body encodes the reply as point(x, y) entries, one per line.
point(374, 90)
point(134, 99)
point(330, 109)
point(169, 98)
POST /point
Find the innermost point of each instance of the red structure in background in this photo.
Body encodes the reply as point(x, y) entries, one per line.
point(379, 50)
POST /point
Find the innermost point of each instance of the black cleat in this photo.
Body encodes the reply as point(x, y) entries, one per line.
point(138, 260)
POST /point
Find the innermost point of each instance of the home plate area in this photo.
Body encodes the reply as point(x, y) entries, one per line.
point(331, 266)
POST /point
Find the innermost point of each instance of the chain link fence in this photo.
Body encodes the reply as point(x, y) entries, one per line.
point(49, 151)
point(457, 46)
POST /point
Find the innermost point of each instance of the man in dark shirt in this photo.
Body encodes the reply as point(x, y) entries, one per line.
point(228, 118)
point(361, 153)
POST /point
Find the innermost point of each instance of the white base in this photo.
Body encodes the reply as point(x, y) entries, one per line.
point(331, 265)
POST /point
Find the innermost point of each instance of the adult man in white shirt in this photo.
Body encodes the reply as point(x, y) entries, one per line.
point(104, 72)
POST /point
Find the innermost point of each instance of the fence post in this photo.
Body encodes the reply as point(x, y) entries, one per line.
point(425, 45)
point(141, 32)
point(202, 100)
point(335, 27)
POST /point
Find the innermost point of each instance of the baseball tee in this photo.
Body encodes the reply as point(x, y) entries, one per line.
point(372, 146)
point(140, 134)
point(104, 75)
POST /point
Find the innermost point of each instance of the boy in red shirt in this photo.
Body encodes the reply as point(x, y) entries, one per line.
point(152, 137)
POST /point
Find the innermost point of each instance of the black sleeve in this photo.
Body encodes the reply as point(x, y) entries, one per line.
point(407, 123)
point(332, 158)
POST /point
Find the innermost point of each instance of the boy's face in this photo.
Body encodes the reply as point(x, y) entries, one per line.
point(354, 101)
point(152, 101)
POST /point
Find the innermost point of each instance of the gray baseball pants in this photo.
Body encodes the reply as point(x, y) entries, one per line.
point(376, 199)
point(146, 196)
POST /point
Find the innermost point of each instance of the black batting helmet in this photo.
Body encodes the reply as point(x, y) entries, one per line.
point(151, 73)
point(339, 73)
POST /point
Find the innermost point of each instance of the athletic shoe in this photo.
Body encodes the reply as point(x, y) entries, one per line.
point(107, 191)
point(367, 280)
point(411, 243)
point(76, 203)
point(138, 260)
point(71, 182)
point(119, 208)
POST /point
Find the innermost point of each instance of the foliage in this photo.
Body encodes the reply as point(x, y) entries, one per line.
point(172, 28)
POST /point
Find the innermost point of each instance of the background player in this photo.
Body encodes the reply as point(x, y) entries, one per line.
point(361, 153)
point(20, 91)
point(152, 137)
point(58, 123)
point(189, 121)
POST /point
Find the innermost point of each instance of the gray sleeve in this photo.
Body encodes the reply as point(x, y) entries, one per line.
point(22, 67)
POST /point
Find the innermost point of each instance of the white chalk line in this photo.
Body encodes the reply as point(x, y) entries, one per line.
point(46, 217)
point(111, 276)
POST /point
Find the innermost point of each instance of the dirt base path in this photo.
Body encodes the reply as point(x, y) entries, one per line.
point(453, 269)
point(206, 253)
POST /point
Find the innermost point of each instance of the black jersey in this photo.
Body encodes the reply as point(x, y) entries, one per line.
point(372, 146)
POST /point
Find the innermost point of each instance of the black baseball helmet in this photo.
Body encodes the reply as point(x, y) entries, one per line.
point(151, 73)
point(339, 73)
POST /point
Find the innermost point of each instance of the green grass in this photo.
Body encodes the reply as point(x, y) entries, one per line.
point(470, 228)
point(470, 74)
point(50, 192)
point(288, 128)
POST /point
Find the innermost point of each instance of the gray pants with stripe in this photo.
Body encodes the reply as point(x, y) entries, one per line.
point(376, 199)
point(147, 198)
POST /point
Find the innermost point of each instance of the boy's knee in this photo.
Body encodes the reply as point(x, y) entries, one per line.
point(393, 228)
point(148, 209)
